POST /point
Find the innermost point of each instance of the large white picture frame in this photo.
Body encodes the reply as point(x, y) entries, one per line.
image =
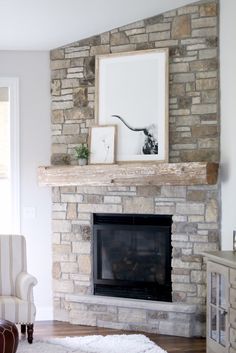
point(132, 93)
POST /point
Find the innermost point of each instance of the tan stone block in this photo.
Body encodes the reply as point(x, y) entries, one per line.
point(165, 209)
point(135, 31)
point(60, 64)
point(138, 205)
point(94, 199)
point(204, 22)
point(199, 248)
point(58, 215)
point(139, 38)
point(205, 32)
point(70, 129)
point(82, 317)
point(70, 83)
point(209, 96)
point(159, 36)
point(56, 238)
point(61, 226)
point(56, 270)
point(184, 287)
point(198, 276)
point(148, 191)
point(187, 10)
point(180, 279)
point(56, 54)
point(173, 191)
point(81, 247)
point(199, 156)
point(212, 211)
point(177, 89)
point(68, 189)
point(207, 53)
point(131, 315)
point(112, 199)
point(55, 87)
point(208, 9)
point(61, 249)
point(96, 208)
point(208, 143)
point(61, 315)
point(166, 43)
point(179, 67)
point(62, 105)
point(137, 24)
point(100, 49)
point(183, 78)
point(204, 130)
point(181, 27)
point(119, 38)
point(69, 267)
point(58, 74)
point(206, 84)
point(84, 262)
point(64, 286)
point(204, 109)
point(71, 198)
point(57, 117)
point(123, 48)
point(71, 211)
point(190, 208)
point(196, 195)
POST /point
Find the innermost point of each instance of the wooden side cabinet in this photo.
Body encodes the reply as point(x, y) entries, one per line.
point(221, 302)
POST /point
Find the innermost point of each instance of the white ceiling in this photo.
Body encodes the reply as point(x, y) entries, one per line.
point(48, 24)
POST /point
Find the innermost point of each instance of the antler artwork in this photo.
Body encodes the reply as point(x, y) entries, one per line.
point(150, 145)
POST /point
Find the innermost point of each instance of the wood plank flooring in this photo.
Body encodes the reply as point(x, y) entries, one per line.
point(170, 343)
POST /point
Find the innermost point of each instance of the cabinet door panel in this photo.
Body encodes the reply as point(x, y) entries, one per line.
point(232, 336)
point(232, 277)
point(232, 317)
point(218, 299)
point(232, 297)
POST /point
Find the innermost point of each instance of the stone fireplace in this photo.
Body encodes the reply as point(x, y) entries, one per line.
point(190, 33)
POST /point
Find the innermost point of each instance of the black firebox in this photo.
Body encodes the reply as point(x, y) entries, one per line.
point(132, 256)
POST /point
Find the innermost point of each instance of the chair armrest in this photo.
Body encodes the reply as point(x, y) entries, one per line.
point(24, 286)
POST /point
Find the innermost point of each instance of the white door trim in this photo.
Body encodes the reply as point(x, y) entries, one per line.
point(13, 84)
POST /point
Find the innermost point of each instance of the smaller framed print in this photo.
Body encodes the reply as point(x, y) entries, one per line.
point(102, 144)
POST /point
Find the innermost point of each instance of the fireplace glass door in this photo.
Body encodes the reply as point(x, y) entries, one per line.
point(132, 256)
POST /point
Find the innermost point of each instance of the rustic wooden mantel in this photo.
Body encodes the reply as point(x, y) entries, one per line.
point(194, 173)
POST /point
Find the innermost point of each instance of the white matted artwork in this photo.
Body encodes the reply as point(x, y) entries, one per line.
point(102, 144)
point(132, 93)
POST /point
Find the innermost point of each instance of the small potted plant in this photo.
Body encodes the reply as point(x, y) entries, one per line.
point(82, 154)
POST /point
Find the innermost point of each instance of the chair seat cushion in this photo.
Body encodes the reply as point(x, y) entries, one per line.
point(17, 310)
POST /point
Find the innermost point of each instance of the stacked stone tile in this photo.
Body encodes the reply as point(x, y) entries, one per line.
point(191, 34)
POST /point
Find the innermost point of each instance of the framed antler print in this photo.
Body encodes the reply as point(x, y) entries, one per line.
point(132, 93)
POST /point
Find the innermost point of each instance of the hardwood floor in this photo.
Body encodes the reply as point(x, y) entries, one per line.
point(170, 343)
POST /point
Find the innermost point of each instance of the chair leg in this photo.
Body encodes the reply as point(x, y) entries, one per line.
point(23, 329)
point(30, 331)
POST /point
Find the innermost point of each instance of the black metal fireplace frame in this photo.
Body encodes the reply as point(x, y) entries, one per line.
point(127, 289)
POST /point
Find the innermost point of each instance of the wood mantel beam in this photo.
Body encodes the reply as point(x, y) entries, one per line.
point(193, 173)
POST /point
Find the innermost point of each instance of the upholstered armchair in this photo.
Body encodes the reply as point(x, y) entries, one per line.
point(16, 285)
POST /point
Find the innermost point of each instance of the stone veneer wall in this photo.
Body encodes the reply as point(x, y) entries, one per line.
point(191, 34)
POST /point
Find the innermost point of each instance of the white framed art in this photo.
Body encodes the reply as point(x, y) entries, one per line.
point(102, 144)
point(132, 93)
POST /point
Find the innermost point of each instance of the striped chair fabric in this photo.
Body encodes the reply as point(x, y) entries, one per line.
point(16, 285)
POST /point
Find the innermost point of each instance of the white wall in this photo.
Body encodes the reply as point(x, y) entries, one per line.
point(32, 68)
point(228, 119)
